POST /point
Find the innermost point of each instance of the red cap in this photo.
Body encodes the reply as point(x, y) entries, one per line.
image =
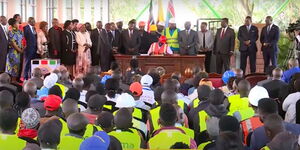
point(52, 102)
point(136, 88)
point(162, 39)
point(142, 23)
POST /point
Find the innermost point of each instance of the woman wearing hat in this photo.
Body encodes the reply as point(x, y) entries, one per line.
point(160, 47)
point(83, 60)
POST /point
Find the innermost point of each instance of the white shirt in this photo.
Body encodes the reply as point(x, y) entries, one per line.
point(4, 27)
point(32, 30)
point(269, 27)
point(82, 99)
point(130, 32)
point(249, 27)
point(289, 105)
point(147, 96)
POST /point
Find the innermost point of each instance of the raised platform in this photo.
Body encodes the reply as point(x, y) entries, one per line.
point(171, 63)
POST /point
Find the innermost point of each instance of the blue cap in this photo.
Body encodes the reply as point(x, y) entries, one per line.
point(99, 141)
point(106, 77)
point(227, 75)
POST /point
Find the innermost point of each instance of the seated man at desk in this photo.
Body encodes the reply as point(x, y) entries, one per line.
point(160, 47)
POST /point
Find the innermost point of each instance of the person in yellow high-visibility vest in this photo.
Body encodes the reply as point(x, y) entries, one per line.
point(171, 33)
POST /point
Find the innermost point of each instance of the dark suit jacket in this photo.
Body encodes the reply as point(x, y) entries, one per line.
point(272, 37)
point(68, 56)
point(3, 49)
point(54, 42)
point(31, 40)
point(244, 35)
point(273, 87)
point(226, 44)
point(116, 42)
point(133, 42)
point(188, 40)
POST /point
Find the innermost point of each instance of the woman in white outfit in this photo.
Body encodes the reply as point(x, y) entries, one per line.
point(42, 39)
point(83, 60)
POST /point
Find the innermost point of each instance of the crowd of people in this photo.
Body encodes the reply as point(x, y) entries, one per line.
point(138, 110)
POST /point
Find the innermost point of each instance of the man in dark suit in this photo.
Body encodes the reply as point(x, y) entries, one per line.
point(31, 46)
point(131, 39)
point(4, 42)
point(269, 38)
point(116, 42)
point(274, 85)
point(55, 40)
point(145, 43)
point(101, 48)
point(248, 35)
point(224, 46)
point(187, 40)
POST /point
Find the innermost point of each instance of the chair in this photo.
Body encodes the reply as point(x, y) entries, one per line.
point(255, 78)
point(216, 82)
point(214, 75)
point(165, 77)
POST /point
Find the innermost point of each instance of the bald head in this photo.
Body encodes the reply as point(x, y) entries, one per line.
point(277, 74)
point(244, 88)
point(37, 72)
point(123, 119)
point(6, 99)
point(293, 63)
point(77, 123)
point(239, 73)
point(169, 97)
point(30, 88)
point(69, 107)
point(4, 78)
point(78, 83)
point(273, 125)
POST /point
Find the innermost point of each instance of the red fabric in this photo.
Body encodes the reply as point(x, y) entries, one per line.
point(216, 82)
point(29, 133)
point(52, 102)
point(162, 39)
point(159, 50)
point(92, 118)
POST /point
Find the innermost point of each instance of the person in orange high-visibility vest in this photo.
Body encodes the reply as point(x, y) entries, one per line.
point(160, 47)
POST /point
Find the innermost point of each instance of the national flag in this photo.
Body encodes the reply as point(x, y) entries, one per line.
point(160, 13)
point(170, 12)
point(151, 19)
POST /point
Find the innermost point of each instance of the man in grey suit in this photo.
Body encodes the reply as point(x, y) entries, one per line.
point(188, 39)
point(224, 46)
point(4, 42)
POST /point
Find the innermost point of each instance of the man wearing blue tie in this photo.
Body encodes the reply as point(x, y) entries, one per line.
point(248, 35)
point(31, 43)
point(269, 38)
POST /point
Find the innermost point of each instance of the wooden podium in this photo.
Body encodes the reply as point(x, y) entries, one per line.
point(171, 63)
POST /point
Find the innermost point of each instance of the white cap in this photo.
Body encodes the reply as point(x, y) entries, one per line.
point(125, 100)
point(257, 93)
point(146, 80)
point(119, 20)
point(50, 80)
point(161, 23)
point(172, 20)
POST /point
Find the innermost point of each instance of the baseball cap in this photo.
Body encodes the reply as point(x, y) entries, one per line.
point(257, 93)
point(50, 80)
point(100, 140)
point(125, 100)
point(30, 117)
point(146, 80)
point(136, 88)
point(52, 102)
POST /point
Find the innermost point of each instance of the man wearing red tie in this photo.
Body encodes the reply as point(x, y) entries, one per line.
point(224, 46)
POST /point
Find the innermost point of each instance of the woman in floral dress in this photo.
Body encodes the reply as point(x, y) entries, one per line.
point(15, 48)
